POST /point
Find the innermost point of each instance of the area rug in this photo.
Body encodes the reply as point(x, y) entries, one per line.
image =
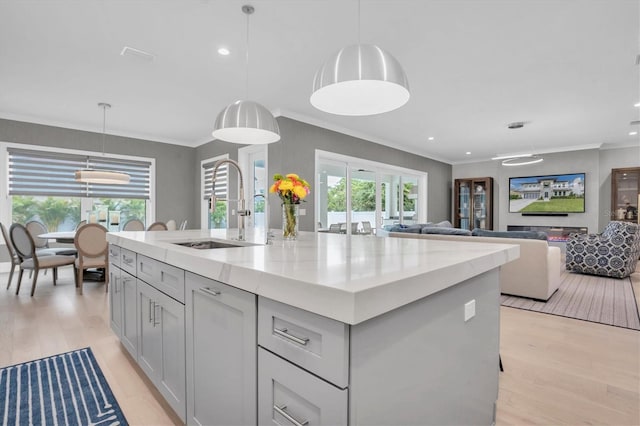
point(591, 298)
point(64, 389)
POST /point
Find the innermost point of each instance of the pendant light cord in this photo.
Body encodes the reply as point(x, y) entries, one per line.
point(247, 10)
point(358, 22)
point(104, 125)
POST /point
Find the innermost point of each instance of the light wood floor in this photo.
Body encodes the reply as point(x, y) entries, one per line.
point(558, 371)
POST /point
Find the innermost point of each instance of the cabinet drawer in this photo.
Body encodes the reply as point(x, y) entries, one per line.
point(114, 255)
point(314, 342)
point(128, 261)
point(166, 278)
point(288, 395)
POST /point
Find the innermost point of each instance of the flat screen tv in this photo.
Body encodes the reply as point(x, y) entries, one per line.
point(548, 194)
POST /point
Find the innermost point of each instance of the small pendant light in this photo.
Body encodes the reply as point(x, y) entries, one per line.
point(360, 79)
point(109, 177)
point(245, 121)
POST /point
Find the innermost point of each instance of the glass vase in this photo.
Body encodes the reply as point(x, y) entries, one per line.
point(290, 221)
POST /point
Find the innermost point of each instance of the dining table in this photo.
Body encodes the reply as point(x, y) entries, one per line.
point(63, 237)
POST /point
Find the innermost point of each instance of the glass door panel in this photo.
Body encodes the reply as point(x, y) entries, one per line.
point(410, 203)
point(464, 203)
point(332, 197)
point(363, 201)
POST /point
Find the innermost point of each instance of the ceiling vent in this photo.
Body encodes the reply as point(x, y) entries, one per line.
point(516, 125)
point(137, 53)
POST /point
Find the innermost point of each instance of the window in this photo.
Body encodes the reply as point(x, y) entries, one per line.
point(353, 194)
point(219, 217)
point(41, 186)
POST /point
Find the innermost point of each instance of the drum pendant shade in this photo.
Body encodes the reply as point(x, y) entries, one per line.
point(360, 79)
point(246, 122)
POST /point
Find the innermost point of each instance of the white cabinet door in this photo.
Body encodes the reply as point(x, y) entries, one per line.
point(221, 353)
point(149, 344)
point(161, 344)
point(169, 320)
point(129, 336)
point(115, 301)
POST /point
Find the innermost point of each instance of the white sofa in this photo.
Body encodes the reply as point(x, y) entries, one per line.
point(536, 274)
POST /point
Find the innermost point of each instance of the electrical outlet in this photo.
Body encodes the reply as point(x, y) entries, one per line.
point(303, 212)
point(469, 310)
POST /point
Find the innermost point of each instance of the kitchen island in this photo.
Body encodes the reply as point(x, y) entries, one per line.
point(328, 329)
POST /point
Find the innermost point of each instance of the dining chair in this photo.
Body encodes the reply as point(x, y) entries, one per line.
point(82, 222)
point(157, 226)
point(36, 228)
point(92, 246)
point(133, 225)
point(15, 261)
point(354, 228)
point(172, 225)
point(334, 228)
point(25, 248)
point(366, 227)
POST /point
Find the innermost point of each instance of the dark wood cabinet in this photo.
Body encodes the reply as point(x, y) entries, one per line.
point(625, 194)
point(473, 200)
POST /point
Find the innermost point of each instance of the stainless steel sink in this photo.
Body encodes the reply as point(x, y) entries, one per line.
point(208, 244)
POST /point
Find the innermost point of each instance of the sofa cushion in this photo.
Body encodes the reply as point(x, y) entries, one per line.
point(412, 229)
point(443, 224)
point(528, 235)
point(444, 231)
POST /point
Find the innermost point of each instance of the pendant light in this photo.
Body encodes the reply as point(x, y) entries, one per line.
point(360, 79)
point(245, 121)
point(109, 177)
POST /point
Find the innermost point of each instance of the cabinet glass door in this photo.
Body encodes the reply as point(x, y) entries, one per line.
point(464, 201)
point(626, 190)
point(479, 205)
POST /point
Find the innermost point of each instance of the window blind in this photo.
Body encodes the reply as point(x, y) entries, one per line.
point(222, 180)
point(44, 173)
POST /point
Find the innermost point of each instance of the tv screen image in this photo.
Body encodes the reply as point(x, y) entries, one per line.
point(547, 194)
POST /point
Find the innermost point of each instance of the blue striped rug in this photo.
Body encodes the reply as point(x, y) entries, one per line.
point(65, 389)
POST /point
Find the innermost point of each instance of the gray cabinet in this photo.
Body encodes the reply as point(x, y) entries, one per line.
point(221, 353)
point(122, 308)
point(161, 339)
point(127, 292)
point(289, 395)
point(115, 301)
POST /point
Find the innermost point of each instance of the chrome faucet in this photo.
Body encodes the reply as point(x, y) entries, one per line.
point(242, 212)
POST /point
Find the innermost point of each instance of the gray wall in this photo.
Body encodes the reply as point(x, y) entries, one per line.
point(597, 165)
point(175, 191)
point(295, 153)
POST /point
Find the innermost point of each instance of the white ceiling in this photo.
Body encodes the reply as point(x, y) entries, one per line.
point(567, 67)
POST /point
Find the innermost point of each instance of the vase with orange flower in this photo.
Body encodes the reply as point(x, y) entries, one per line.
point(292, 190)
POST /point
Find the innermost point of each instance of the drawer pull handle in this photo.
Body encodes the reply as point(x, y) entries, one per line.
point(283, 332)
point(281, 410)
point(150, 310)
point(210, 292)
point(126, 260)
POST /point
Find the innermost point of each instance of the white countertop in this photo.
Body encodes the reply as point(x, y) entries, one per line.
point(350, 279)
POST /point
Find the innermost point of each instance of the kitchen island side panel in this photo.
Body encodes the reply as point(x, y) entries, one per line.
point(426, 362)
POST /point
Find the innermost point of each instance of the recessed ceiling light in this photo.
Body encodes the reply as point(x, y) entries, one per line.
point(468, 152)
point(633, 133)
point(430, 138)
point(636, 105)
point(223, 51)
